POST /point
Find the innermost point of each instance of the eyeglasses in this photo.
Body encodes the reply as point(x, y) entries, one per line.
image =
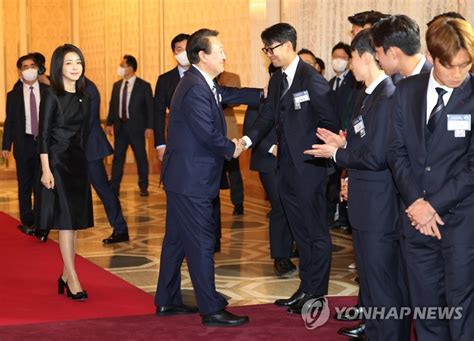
point(269, 50)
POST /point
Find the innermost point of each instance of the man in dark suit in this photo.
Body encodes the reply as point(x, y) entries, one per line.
point(191, 173)
point(131, 114)
point(98, 147)
point(298, 101)
point(264, 161)
point(373, 202)
point(397, 42)
point(164, 90)
point(431, 154)
point(21, 130)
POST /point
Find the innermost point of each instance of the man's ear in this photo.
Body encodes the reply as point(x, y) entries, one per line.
point(429, 57)
point(202, 56)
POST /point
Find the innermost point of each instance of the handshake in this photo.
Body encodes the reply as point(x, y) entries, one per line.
point(240, 145)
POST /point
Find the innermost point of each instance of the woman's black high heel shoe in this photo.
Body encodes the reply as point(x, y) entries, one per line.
point(79, 296)
point(61, 285)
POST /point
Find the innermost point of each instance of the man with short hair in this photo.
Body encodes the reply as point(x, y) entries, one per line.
point(21, 130)
point(431, 154)
point(131, 115)
point(363, 20)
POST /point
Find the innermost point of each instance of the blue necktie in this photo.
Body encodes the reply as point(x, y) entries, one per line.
point(437, 111)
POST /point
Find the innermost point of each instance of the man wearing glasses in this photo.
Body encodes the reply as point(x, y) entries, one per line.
point(298, 102)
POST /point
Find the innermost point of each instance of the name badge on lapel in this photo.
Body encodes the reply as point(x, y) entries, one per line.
point(300, 97)
point(459, 124)
point(359, 127)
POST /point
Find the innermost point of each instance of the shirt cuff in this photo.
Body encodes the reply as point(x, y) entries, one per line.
point(161, 146)
point(248, 142)
point(334, 156)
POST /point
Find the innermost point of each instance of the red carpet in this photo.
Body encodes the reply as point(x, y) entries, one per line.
point(28, 284)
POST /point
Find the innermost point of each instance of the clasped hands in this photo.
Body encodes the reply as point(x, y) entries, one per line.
point(424, 218)
point(239, 147)
point(331, 141)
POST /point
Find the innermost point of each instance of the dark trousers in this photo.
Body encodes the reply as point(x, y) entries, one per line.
point(304, 203)
point(232, 172)
point(137, 142)
point(190, 233)
point(216, 217)
point(440, 274)
point(27, 173)
point(103, 188)
point(382, 282)
point(281, 239)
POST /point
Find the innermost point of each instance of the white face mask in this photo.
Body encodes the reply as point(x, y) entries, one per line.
point(339, 65)
point(30, 75)
point(182, 58)
point(121, 71)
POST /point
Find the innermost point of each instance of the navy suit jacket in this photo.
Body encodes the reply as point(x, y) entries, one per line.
point(197, 143)
point(299, 126)
point(442, 170)
point(14, 126)
point(98, 146)
point(140, 108)
point(164, 90)
point(373, 203)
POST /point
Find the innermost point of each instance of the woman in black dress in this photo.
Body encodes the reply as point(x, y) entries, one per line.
point(65, 201)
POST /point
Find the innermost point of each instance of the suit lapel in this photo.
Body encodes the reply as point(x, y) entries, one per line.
point(21, 105)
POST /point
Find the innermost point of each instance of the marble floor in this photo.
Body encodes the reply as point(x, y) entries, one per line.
point(244, 269)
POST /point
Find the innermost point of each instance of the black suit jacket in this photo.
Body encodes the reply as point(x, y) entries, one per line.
point(164, 90)
point(14, 126)
point(98, 146)
point(373, 203)
point(344, 98)
point(436, 166)
point(299, 126)
point(140, 108)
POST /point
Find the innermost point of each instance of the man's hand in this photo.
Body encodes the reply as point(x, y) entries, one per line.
point(109, 130)
point(5, 154)
point(344, 194)
point(275, 150)
point(239, 148)
point(431, 228)
point(321, 150)
point(338, 141)
point(148, 132)
point(160, 152)
point(420, 212)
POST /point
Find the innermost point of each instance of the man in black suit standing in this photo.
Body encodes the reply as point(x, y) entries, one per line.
point(191, 174)
point(164, 90)
point(397, 42)
point(431, 154)
point(21, 130)
point(373, 202)
point(131, 114)
point(298, 101)
point(98, 147)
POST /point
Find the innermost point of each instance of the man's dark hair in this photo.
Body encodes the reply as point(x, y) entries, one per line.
point(366, 17)
point(342, 46)
point(40, 61)
point(321, 64)
point(398, 31)
point(179, 38)
point(28, 56)
point(453, 15)
point(131, 61)
point(362, 43)
point(306, 51)
point(57, 62)
point(199, 41)
point(279, 33)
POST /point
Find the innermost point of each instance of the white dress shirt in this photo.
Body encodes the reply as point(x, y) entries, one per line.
point(26, 99)
point(432, 95)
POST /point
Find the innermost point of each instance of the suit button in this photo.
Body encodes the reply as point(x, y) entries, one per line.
point(428, 169)
point(424, 192)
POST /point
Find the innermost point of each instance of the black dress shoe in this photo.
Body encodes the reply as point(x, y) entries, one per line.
point(144, 193)
point(354, 332)
point(42, 235)
point(298, 307)
point(350, 314)
point(238, 209)
point(224, 318)
point(116, 238)
point(29, 230)
point(293, 300)
point(175, 310)
point(284, 266)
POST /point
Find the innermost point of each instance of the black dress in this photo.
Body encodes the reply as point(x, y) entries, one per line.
point(63, 131)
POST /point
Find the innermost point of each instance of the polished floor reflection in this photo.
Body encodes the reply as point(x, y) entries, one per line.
point(244, 269)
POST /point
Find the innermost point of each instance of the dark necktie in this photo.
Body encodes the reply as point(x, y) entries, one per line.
point(214, 91)
point(284, 85)
point(33, 113)
point(437, 111)
point(338, 82)
point(123, 116)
